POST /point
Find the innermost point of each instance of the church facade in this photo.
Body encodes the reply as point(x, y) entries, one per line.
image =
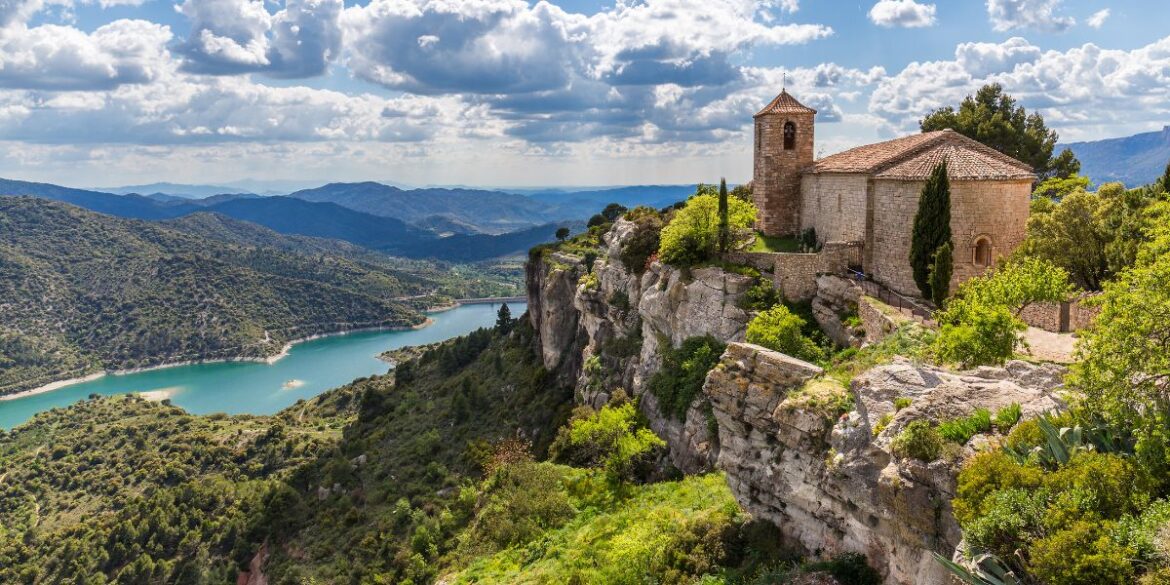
point(868, 196)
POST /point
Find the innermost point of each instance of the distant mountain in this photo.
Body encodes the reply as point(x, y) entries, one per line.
point(493, 212)
point(176, 190)
point(583, 204)
point(1134, 160)
point(289, 215)
point(85, 291)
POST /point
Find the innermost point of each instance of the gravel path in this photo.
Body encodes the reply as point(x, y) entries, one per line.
point(1050, 347)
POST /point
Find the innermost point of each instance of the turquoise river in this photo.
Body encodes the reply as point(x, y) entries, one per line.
point(309, 368)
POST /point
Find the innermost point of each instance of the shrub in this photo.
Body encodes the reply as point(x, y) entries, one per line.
point(1096, 485)
point(882, 423)
point(985, 474)
point(918, 440)
point(1082, 554)
point(961, 430)
point(613, 439)
point(849, 568)
point(1011, 517)
point(1025, 435)
point(778, 329)
point(901, 402)
point(519, 501)
point(1008, 416)
point(988, 336)
point(643, 242)
point(760, 296)
point(692, 235)
point(1145, 534)
point(683, 372)
point(597, 220)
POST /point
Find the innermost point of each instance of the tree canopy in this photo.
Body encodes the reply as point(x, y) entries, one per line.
point(692, 236)
point(995, 119)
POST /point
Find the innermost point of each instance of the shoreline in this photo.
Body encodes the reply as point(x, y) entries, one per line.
point(59, 384)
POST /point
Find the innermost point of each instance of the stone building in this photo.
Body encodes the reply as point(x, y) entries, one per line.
point(868, 196)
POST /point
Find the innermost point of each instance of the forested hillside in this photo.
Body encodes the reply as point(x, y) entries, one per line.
point(83, 291)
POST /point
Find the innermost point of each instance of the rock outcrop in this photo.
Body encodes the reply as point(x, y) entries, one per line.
point(831, 484)
point(798, 448)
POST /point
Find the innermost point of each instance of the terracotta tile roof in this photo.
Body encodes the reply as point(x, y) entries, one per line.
point(914, 157)
point(785, 104)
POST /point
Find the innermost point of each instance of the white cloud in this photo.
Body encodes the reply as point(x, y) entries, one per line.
point(1098, 18)
point(1083, 87)
point(64, 58)
point(904, 13)
point(1009, 15)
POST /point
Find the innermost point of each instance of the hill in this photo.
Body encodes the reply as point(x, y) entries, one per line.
point(492, 212)
point(297, 216)
point(584, 204)
point(1134, 160)
point(171, 189)
point(83, 291)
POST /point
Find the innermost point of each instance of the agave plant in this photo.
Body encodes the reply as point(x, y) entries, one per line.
point(986, 569)
point(1061, 443)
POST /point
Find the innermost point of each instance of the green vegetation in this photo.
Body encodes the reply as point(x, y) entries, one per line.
point(724, 219)
point(919, 440)
point(692, 235)
point(981, 325)
point(961, 430)
point(1094, 236)
point(780, 330)
point(764, 243)
point(680, 380)
point(993, 118)
point(84, 291)
point(941, 268)
point(932, 228)
point(642, 244)
point(613, 439)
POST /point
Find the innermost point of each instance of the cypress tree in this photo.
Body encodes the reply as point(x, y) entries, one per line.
point(932, 226)
point(940, 274)
point(724, 221)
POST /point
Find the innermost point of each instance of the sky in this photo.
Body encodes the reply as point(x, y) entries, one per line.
point(549, 93)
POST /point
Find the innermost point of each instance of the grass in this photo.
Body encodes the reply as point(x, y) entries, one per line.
point(774, 244)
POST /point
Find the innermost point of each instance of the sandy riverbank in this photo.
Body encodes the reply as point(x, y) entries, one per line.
point(57, 385)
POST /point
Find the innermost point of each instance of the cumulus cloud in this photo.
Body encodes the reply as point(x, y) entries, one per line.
point(1098, 18)
point(1082, 86)
point(1009, 15)
point(230, 37)
point(904, 13)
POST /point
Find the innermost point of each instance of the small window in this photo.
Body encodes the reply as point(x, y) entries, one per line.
point(983, 252)
point(759, 137)
point(789, 136)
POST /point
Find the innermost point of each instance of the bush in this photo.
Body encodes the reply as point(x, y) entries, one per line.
point(692, 235)
point(1082, 554)
point(918, 440)
point(761, 296)
point(613, 439)
point(849, 568)
point(778, 329)
point(961, 430)
point(643, 243)
point(1008, 416)
point(988, 336)
point(1025, 435)
point(901, 402)
point(1011, 517)
point(683, 372)
point(1145, 534)
point(983, 475)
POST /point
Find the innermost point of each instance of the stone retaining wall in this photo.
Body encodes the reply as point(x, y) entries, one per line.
point(1061, 317)
point(796, 274)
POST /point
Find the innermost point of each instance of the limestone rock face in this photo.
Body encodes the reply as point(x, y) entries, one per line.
point(831, 485)
point(552, 285)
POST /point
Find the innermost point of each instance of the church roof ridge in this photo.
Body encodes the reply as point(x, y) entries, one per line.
point(785, 104)
point(913, 157)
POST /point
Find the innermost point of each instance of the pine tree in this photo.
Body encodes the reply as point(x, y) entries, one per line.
point(1166, 179)
point(932, 226)
point(724, 222)
point(940, 273)
point(504, 320)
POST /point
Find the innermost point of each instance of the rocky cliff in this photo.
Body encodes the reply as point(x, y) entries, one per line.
point(773, 423)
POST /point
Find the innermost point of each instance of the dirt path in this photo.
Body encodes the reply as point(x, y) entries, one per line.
point(1050, 347)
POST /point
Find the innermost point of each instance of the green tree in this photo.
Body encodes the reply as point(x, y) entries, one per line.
point(1056, 188)
point(562, 233)
point(993, 118)
point(1164, 182)
point(692, 235)
point(981, 324)
point(724, 222)
point(613, 439)
point(743, 192)
point(597, 220)
point(1064, 165)
point(504, 320)
point(780, 330)
point(932, 226)
point(940, 273)
point(613, 211)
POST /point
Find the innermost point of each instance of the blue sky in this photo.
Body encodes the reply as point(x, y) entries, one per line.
point(516, 93)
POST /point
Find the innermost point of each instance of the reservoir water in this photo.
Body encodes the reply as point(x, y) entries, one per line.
point(309, 369)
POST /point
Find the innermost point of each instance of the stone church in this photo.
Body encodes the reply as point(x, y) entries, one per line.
point(868, 196)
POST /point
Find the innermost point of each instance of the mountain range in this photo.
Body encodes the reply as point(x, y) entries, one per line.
point(1134, 160)
point(292, 215)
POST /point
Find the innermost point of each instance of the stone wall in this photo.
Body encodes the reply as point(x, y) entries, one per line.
point(777, 175)
point(1074, 315)
point(762, 261)
point(834, 205)
point(795, 274)
point(994, 209)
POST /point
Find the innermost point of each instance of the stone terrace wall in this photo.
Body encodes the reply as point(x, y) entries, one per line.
point(762, 261)
point(1047, 316)
point(796, 274)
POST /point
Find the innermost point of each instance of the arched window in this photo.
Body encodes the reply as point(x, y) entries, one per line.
point(983, 251)
point(789, 136)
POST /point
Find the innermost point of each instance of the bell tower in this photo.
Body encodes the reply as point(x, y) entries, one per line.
point(783, 148)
